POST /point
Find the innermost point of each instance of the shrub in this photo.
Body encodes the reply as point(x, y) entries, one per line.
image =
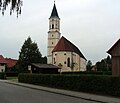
point(88, 73)
point(2, 76)
point(106, 85)
point(11, 74)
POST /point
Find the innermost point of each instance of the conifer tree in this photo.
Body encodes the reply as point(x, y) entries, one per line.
point(104, 64)
point(29, 54)
point(89, 65)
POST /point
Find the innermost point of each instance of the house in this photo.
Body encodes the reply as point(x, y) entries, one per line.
point(44, 68)
point(10, 63)
point(60, 51)
point(3, 63)
point(7, 64)
point(114, 51)
point(94, 68)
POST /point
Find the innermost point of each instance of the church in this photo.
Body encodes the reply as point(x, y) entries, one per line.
point(60, 51)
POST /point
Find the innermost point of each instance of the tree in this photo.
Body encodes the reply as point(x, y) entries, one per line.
point(29, 54)
point(44, 60)
point(89, 65)
point(109, 63)
point(15, 6)
point(104, 64)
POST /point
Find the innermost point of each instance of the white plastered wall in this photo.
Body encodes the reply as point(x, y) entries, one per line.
point(2, 68)
point(61, 58)
point(83, 64)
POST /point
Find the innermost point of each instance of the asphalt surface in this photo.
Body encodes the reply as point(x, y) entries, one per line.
point(13, 93)
point(80, 96)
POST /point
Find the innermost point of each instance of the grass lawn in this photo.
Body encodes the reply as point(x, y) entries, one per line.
point(12, 78)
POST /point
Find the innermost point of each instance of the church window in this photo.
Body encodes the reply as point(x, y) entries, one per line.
point(52, 26)
point(64, 62)
point(68, 62)
point(52, 42)
point(54, 60)
point(52, 35)
point(56, 25)
point(64, 53)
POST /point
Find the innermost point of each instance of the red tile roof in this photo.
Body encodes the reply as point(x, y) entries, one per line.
point(118, 42)
point(2, 60)
point(11, 62)
point(66, 45)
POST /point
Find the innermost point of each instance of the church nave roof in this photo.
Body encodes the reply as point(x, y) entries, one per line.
point(66, 45)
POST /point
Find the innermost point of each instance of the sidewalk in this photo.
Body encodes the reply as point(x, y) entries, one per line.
point(86, 96)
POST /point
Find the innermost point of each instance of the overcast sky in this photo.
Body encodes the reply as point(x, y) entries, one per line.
point(92, 25)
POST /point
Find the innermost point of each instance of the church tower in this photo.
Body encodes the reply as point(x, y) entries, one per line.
point(53, 33)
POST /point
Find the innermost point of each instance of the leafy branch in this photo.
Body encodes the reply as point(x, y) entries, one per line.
point(15, 6)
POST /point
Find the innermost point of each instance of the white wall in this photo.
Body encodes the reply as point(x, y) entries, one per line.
point(2, 68)
point(82, 64)
point(61, 58)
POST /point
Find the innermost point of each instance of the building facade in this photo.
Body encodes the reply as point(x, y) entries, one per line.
point(114, 51)
point(2, 64)
point(7, 64)
point(68, 56)
point(61, 52)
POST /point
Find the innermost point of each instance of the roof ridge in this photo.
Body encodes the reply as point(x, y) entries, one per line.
point(65, 45)
point(113, 46)
point(2, 59)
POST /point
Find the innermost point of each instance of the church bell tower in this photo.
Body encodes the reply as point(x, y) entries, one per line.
point(53, 33)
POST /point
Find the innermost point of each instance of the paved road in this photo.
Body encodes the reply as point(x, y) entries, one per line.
point(16, 94)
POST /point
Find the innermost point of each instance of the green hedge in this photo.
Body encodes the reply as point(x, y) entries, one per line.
point(11, 74)
point(89, 73)
point(105, 85)
point(2, 76)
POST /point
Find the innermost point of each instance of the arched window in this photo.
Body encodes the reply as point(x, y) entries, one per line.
point(56, 26)
point(52, 26)
point(54, 60)
point(68, 62)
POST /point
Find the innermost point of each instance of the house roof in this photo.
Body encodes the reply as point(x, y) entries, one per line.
point(10, 62)
point(45, 66)
point(66, 45)
point(54, 12)
point(118, 42)
point(2, 60)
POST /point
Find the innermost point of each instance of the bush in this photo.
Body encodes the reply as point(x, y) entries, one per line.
point(11, 74)
point(2, 76)
point(88, 73)
point(105, 85)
